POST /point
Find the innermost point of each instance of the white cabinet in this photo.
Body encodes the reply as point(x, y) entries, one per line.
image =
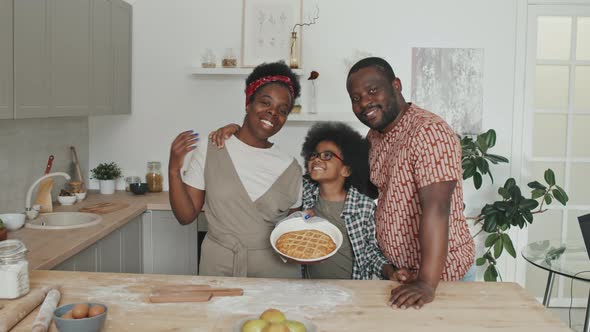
point(71, 58)
point(169, 247)
point(120, 251)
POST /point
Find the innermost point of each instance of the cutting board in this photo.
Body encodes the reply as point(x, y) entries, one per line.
point(190, 293)
point(44, 193)
point(104, 207)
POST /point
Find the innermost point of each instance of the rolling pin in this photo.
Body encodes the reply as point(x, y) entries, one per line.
point(15, 310)
point(78, 170)
point(41, 323)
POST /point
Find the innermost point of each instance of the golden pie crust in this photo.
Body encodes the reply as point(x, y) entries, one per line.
point(305, 244)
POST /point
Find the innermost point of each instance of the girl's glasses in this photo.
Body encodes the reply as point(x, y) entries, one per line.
point(324, 155)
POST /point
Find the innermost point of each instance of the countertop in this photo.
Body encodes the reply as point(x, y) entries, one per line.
point(332, 305)
point(48, 248)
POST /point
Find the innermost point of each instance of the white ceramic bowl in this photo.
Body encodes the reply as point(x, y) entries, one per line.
point(13, 221)
point(66, 200)
point(297, 223)
point(80, 196)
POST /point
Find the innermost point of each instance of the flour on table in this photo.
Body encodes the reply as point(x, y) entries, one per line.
point(309, 299)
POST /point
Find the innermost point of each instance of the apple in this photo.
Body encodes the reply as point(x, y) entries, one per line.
point(295, 326)
point(276, 327)
point(254, 325)
point(273, 316)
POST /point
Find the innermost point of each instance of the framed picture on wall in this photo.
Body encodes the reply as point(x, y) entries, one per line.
point(266, 30)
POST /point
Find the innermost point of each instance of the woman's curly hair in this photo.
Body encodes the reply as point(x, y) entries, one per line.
point(355, 153)
point(272, 69)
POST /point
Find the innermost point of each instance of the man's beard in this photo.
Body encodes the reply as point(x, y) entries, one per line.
point(388, 117)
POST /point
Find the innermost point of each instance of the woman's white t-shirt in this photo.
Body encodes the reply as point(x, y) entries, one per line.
point(257, 168)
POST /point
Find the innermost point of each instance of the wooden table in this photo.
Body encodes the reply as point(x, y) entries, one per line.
point(331, 305)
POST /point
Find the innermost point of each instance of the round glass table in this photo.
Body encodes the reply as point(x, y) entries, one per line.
point(567, 259)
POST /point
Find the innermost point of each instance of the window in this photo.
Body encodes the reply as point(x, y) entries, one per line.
point(557, 125)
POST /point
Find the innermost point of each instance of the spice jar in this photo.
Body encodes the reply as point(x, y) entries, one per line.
point(14, 269)
point(208, 59)
point(154, 176)
point(229, 59)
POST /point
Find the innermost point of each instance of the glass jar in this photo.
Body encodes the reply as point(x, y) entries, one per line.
point(131, 179)
point(14, 269)
point(208, 59)
point(154, 176)
point(229, 59)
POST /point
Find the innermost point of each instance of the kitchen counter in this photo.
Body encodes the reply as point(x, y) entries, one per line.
point(332, 305)
point(48, 248)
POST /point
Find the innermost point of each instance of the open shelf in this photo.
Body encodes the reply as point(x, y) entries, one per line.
point(229, 71)
point(326, 116)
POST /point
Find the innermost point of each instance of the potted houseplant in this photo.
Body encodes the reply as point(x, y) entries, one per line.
point(3, 231)
point(106, 173)
point(512, 209)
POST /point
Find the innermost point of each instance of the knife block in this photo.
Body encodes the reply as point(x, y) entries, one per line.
point(44, 196)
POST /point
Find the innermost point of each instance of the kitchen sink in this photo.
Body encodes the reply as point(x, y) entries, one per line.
point(64, 220)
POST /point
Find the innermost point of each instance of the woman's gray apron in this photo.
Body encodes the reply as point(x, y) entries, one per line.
point(238, 240)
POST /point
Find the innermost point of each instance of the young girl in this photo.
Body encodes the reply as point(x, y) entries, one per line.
point(335, 186)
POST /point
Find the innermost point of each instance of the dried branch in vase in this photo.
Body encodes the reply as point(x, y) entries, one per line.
point(312, 21)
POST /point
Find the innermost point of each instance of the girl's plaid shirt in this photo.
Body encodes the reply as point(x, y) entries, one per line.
point(359, 217)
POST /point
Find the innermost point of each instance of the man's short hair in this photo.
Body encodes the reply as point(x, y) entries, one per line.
point(376, 62)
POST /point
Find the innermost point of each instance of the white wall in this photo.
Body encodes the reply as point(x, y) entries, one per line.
point(170, 36)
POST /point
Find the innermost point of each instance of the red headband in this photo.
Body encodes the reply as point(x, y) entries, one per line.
point(252, 87)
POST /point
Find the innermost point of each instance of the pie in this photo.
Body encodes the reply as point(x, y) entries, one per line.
point(305, 244)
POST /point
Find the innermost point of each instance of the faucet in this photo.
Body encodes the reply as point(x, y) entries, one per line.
point(32, 213)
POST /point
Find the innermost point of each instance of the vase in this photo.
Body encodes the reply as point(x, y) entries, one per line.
point(313, 100)
point(107, 187)
point(294, 51)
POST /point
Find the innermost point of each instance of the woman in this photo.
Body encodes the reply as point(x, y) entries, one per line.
point(247, 187)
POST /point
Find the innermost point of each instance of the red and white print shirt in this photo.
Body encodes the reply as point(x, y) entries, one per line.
point(420, 150)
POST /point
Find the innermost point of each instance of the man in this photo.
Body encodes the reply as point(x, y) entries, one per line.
point(415, 162)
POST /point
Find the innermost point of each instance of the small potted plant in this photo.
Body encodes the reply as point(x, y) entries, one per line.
point(106, 173)
point(3, 231)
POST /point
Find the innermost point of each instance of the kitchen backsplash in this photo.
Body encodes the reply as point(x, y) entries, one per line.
point(25, 146)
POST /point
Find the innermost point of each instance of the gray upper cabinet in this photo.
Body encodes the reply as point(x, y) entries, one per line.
point(121, 17)
point(69, 59)
point(31, 59)
point(102, 64)
point(6, 73)
point(66, 58)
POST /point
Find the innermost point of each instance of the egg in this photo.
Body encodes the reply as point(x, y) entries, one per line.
point(95, 310)
point(80, 310)
point(67, 315)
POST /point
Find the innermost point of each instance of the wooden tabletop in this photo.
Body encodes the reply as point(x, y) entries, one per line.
point(48, 248)
point(331, 305)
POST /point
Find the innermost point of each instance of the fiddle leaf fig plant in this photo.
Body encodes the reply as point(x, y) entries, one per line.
point(512, 209)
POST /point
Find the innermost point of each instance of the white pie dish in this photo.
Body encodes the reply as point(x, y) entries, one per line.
point(296, 222)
